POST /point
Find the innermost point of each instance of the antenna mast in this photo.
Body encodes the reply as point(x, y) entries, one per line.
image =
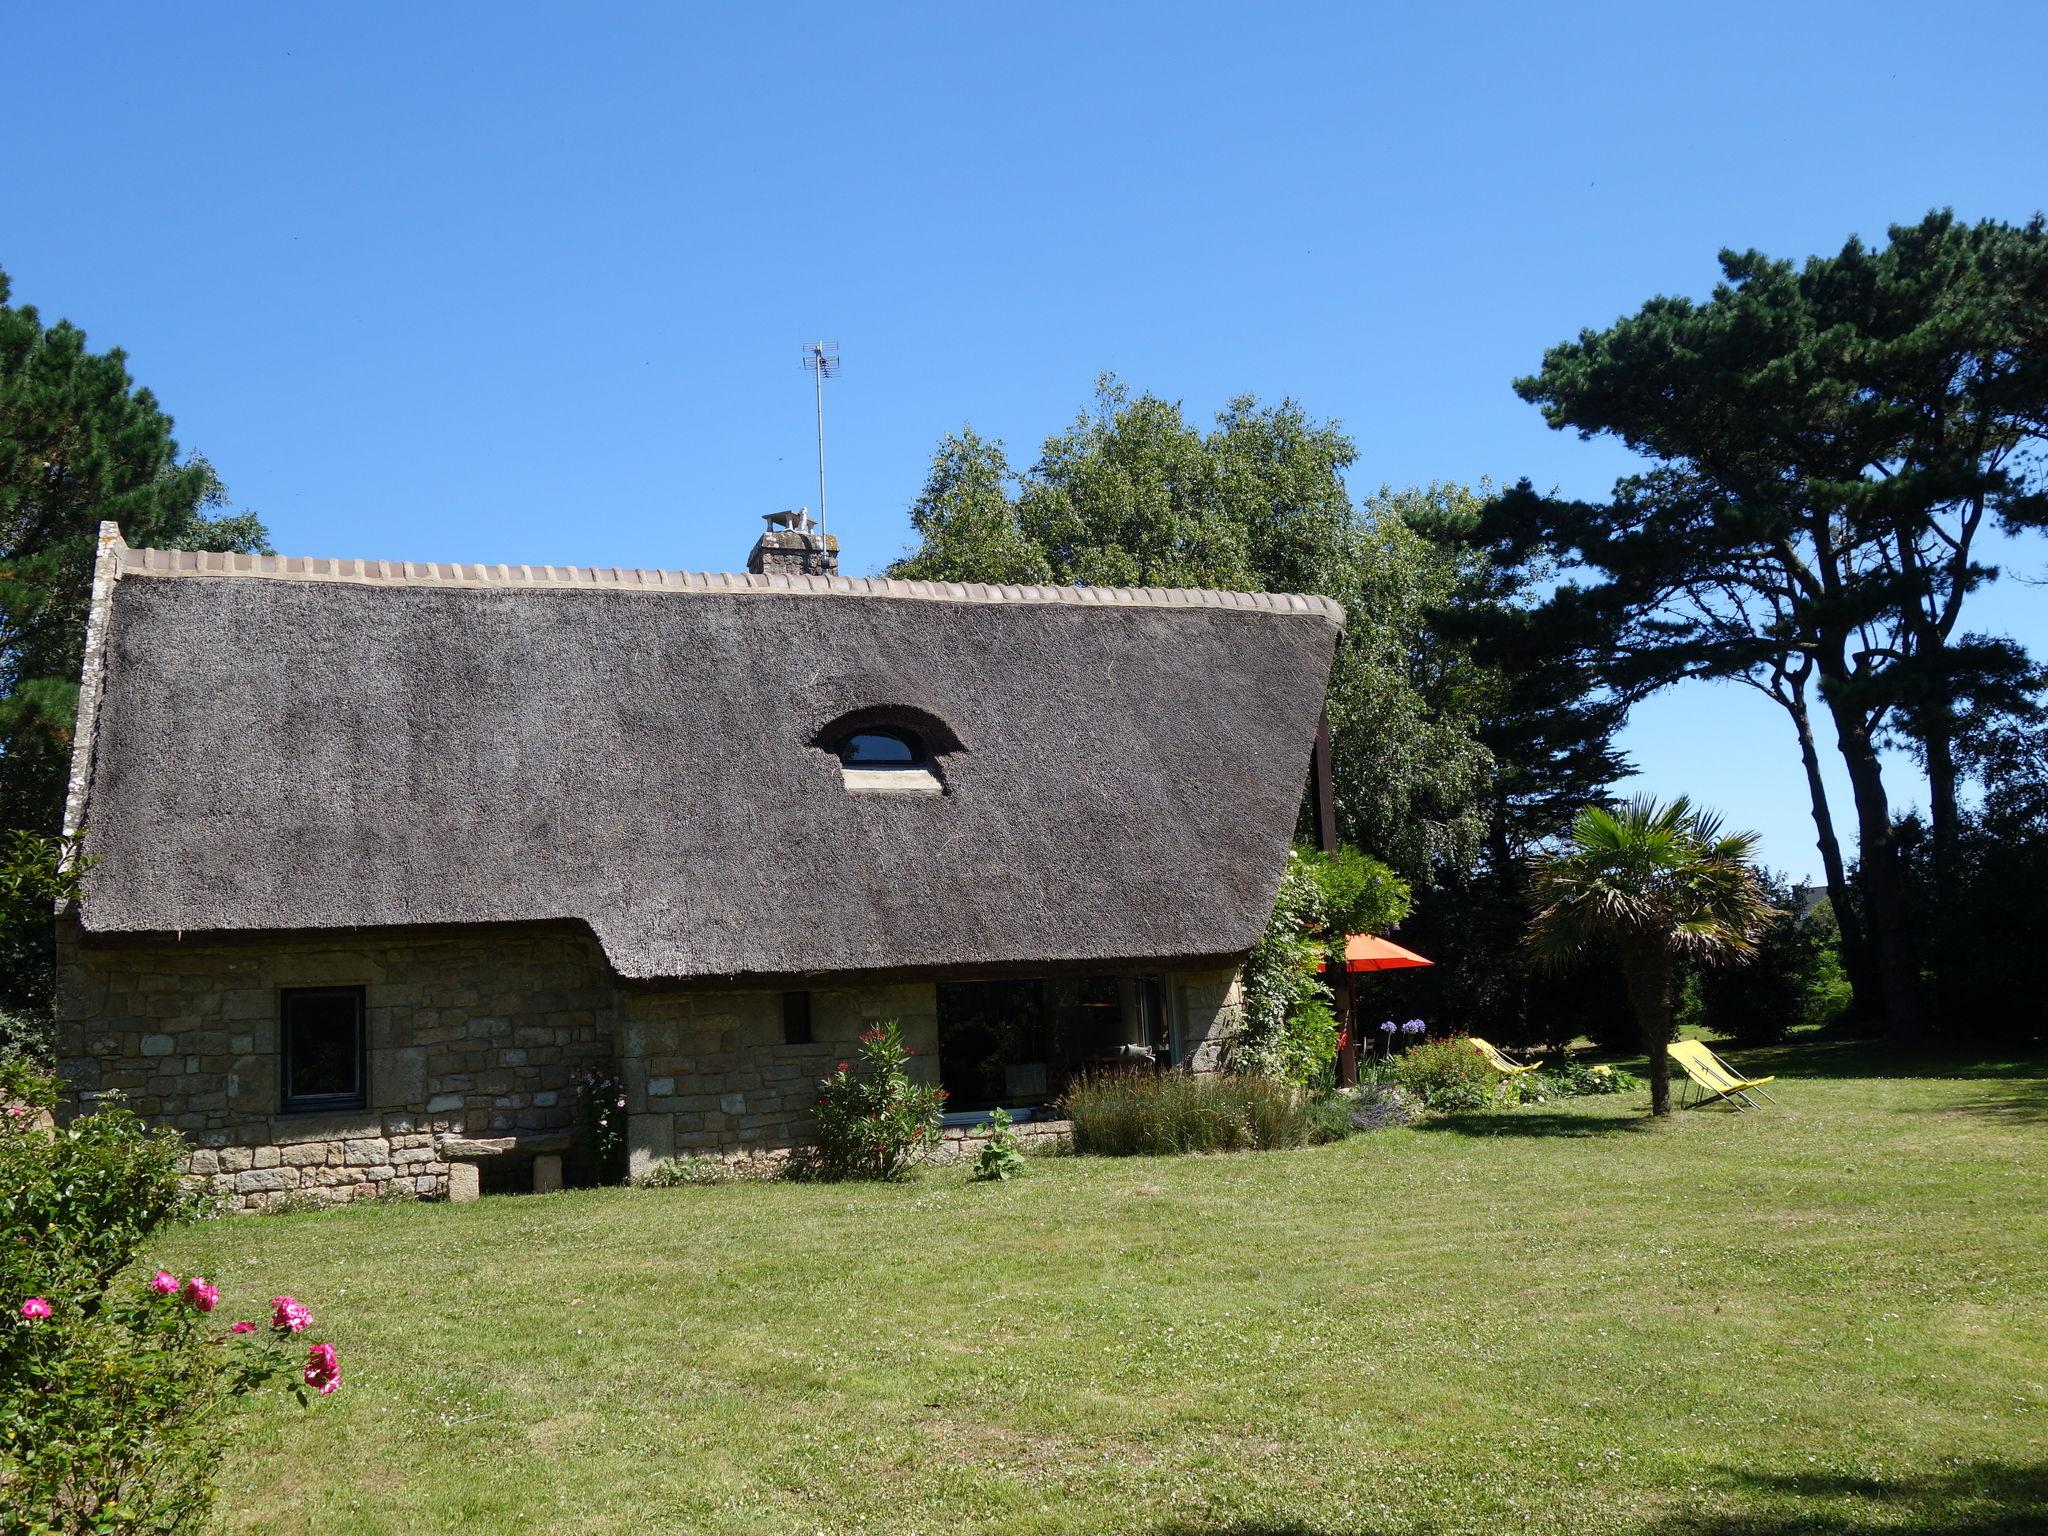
point(821, 361)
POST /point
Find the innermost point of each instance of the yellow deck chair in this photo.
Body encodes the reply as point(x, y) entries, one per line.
point(1500, 1061)
point(1715, 1079)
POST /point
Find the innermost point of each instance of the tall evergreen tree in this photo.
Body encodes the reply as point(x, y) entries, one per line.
point(80, 443)
point(1832, 440)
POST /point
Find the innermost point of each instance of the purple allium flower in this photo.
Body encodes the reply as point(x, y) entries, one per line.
point(1388, 1027)
point(1412, 1027)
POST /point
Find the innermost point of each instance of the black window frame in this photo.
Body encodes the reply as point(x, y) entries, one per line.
point(796, 1019)
point(321, 1103)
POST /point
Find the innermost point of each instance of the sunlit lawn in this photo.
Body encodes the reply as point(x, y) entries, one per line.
point(1831, 1316)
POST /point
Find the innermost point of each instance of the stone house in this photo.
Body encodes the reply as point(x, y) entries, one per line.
point(384, 855)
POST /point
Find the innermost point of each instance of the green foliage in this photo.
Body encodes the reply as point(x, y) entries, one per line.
point(79, 443)
point(601, 1124)
point(36, 873)
point(1156, 1114)
point(1566, 1077)
point(114, 1394)
point(1792, 975)
point(1657, 883)
point(1132, 494)
point(1359, 894)
point(1290, 1030)
point(1829, 440)
point(1001, 1156)
point(874, 1120)
point(1446, 1076)
point(681, 1172)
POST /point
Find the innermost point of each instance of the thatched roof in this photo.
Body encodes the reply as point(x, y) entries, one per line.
point(284, 744)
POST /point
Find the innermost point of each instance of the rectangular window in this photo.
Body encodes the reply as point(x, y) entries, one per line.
point(326, 1052)
point(796, 1018)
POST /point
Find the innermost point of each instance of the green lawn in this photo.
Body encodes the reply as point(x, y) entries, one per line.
point(1828, 1317)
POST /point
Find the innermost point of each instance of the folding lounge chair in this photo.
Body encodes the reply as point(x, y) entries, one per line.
point(1500, 1061)
point(1715, 1078)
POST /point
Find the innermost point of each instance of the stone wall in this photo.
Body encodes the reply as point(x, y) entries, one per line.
point(1209, 1011)
point(470, 1037)
point(475, 1041)
point(708, 1072)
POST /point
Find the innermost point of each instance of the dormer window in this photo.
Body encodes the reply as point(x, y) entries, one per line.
point(886, 759)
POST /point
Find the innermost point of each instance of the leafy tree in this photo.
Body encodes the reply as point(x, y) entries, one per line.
point(1656, 883)
point(1830, 442)
point(1132, 494)
point(79, 443)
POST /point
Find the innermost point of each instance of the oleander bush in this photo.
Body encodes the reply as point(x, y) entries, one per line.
point(1131, 1114)
point(874, 1120)
point(116, 1392)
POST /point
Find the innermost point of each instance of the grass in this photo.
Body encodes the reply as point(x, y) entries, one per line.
point(1829, 1317)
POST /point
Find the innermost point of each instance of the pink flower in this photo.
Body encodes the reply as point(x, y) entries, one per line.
point(164, 1283)
point(35, 1309)
point(16, 1111)
point(323, 1370)
point(200, 1295)
point(288, 1316)
point(243, 1328)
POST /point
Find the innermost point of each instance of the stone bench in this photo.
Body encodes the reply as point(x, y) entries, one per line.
point(465, 1156)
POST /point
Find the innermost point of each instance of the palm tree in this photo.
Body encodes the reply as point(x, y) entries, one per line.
point(1656, 882)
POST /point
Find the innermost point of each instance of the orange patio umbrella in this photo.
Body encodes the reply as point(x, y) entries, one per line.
point(1370, 952)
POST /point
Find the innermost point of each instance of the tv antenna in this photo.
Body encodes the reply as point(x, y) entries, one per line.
point(821, 361)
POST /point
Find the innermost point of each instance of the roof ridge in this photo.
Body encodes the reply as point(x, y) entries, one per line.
point(415, 573)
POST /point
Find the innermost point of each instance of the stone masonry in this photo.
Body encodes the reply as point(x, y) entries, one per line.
point(475, 1040)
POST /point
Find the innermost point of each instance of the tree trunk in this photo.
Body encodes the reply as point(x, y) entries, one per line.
point(1884, 890)
point(1647, 968)
point(1856, 958)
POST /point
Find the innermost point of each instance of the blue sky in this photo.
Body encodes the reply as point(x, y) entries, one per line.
point(528, 283)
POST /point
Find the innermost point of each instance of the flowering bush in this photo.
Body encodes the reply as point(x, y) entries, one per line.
point(1446, 1075)
point(601, 1124)
point(115, 1392)
point(874, 1121)
point(1001, 1156)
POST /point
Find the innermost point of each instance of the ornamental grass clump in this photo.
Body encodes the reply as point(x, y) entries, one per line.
point(1159, 1114)
point(117, 1392)
point(874, 1120)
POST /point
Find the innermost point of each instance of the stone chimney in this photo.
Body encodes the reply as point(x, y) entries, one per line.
point(794, 546)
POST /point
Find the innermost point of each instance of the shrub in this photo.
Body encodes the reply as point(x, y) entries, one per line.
point(1445, 1075)
point(1001, 1156)
point(1569, 1078)
point(1155, 1114)
point(874, 1122)
point(115, 1394)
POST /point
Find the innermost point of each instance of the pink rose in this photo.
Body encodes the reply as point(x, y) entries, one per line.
point(323, 1370)
point(288, 1316)
point(243, 1328)
point(200, 1295)
point(164, 1283)
point(35, 1309)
